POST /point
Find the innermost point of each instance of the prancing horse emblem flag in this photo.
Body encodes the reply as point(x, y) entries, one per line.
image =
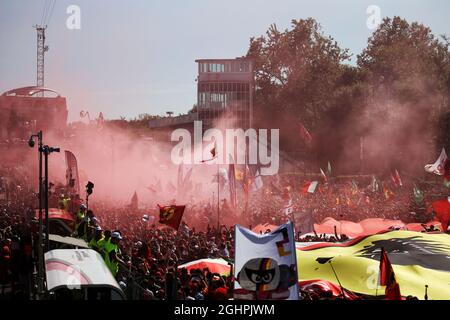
point(171, 215)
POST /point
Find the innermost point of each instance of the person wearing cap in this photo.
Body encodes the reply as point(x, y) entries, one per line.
point(112, 251)
point(94, 243)
point(79, 218)
point(85, 226)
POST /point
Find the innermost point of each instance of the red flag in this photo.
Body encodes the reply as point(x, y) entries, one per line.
point(387, 278)
point(171, 215)
point(441, 209)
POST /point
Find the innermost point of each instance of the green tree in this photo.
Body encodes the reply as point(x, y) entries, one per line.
point(296, 74)
point(405, 70)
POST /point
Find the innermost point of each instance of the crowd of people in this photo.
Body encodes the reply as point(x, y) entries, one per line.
point(144, 256)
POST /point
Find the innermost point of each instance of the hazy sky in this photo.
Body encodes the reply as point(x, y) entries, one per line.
point(137, 56)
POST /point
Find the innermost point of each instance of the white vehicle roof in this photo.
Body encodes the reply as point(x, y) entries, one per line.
point(76, 242)
point(78, 268)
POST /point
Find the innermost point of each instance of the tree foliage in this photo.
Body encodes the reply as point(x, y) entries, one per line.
point(393, 97)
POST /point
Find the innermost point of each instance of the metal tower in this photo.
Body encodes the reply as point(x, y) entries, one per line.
point(41, 49)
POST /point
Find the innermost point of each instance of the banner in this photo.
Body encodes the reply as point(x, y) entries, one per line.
point(418, 259)
point(72, 179)
point(171, 215)
point(265, 264)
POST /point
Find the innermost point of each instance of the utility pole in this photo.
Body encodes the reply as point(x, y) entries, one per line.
point(41, 50)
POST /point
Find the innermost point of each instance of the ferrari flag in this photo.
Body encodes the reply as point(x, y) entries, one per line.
point(418, 259)
point(171, 215)
point(265, 265)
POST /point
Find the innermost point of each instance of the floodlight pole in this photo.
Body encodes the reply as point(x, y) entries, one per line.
point(47, 223)
point(40, 222)
point(47, 150)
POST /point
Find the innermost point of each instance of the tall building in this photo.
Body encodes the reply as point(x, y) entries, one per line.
point(225, 87)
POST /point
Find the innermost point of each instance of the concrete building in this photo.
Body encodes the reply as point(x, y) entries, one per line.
point(225, 88)
point(30, 109)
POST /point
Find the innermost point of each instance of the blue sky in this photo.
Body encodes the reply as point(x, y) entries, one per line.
point(137, 56)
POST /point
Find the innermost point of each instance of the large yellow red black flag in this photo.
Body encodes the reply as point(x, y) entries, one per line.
point(418, 259)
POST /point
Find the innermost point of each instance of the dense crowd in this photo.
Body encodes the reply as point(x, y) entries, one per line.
point(144, 256)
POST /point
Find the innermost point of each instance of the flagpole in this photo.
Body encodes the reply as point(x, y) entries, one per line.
point(340, 285)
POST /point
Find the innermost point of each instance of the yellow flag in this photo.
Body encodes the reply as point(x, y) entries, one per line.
point(418, 259)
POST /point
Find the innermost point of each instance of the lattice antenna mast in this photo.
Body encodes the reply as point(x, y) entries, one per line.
point(41, 50)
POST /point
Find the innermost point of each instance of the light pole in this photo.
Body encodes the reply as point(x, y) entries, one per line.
point(31, 144)
point(47, 150)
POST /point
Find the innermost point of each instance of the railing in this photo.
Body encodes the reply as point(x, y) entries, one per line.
point(171, 121)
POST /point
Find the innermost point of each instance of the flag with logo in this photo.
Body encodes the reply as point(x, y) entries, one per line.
point(265, 264)
point(418, 259)
point(171, 215)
